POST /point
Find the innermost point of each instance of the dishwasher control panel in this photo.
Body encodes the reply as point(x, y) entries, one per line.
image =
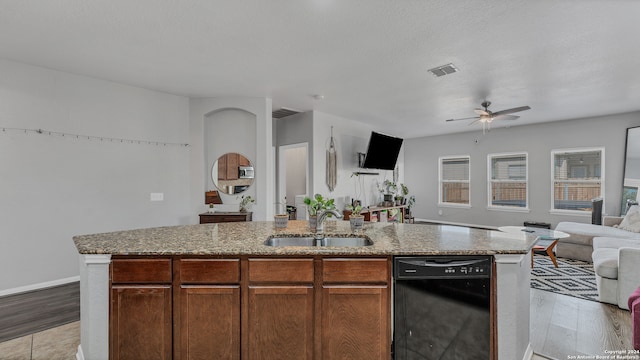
point(429, 267)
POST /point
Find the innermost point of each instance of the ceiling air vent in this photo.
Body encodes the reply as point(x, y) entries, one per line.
point(443, 70)
point(283, 112)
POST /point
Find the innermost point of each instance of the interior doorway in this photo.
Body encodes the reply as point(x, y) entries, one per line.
point(293, 174)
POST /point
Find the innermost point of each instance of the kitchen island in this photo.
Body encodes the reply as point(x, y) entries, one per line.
point(176, 268)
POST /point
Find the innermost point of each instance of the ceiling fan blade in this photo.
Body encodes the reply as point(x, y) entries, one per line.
point(475, 121)
point(481, 112)
point(511, 111)
point(506, 117)
point(469, 118)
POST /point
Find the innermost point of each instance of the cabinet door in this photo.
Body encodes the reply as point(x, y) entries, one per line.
point(243, 161)
point(210, 322)
point(140, 322)
point(280, 322)
point(222, 167)
point(232, 166)
point(355, 322)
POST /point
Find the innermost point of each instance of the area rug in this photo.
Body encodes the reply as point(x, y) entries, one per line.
point(572, 277)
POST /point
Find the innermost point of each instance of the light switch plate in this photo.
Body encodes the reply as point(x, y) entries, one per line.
point(157, 197)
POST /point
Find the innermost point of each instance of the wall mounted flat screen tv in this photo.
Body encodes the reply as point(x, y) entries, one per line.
point(382, 152)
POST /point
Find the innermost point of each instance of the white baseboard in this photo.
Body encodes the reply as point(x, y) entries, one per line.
point(528, 354)
point(39, 286)
point(79, 354)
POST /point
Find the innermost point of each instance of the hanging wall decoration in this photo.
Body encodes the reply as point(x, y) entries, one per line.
point(90, 137)
point(332, 167)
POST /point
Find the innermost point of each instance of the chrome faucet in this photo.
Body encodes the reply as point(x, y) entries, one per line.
point(322, 216)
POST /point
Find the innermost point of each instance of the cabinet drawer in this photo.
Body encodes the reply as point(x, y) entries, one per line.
point(209, 271)
point(141, 271)
point(281, 270)
point(208, 218)
point(231, 218)
point(355, 270)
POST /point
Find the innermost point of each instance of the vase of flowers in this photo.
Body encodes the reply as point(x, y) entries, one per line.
point(245, 202)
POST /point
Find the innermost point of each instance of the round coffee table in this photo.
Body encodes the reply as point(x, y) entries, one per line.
point(547, 239)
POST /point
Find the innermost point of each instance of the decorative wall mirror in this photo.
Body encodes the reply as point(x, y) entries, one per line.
point(631, 175)
point(232, 173)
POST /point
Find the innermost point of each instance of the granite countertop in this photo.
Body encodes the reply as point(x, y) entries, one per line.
point(247, 238)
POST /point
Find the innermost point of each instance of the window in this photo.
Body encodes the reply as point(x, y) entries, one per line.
point(577, 178)
point(454, 181)
point(508, 181)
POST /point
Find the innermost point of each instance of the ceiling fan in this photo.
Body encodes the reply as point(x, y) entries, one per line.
point(486, 116)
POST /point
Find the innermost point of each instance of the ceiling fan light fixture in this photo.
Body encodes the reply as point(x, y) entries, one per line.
point(443, 70)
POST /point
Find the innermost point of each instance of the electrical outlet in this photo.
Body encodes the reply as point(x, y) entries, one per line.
point(157, 197)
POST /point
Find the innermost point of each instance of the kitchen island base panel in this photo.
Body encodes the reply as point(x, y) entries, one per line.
point(94, 307)
point(513, 306)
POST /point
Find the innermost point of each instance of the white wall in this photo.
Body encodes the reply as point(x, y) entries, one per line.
point(350, 138)
point(421, 159)
point(229, 131)
point(296, 173)
point(199, 110)
point(53, 188)
point(294, 129)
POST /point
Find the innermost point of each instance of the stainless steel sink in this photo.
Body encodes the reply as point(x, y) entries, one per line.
point(326, 241)
point(290, 241)
point(346, 241)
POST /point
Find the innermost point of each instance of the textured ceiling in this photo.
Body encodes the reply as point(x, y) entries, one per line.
point(369, 58)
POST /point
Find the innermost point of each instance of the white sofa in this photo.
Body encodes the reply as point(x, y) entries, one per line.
point(615, 254)
point(616, 263)
point(579, 245)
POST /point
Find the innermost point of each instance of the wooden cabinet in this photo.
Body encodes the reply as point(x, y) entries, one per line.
point(280, 309)
point(381, 214)
point(355, 309)
point(228, 166)
point(209, 309)
point(250, 308)
point(140, 309)
point(219, 217)
point(280, 322)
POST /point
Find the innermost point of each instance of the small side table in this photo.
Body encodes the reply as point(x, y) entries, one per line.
point(546, 246)
point(219, 217)
point(547, 239)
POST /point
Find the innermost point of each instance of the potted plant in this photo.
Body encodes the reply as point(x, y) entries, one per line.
point(390, 189)
point(410, 203)
point(281, 218)
point(402, 193)
point(315, 204)
point(245, 202)
point(356, 219)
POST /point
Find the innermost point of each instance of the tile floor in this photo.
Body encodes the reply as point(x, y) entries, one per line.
point(60, 343)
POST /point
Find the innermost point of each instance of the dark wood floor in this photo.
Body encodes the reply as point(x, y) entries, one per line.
point(34, 311)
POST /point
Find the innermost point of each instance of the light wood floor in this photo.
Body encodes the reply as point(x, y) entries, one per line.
point(563, 325)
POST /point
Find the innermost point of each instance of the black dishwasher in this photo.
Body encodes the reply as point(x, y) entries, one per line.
point(442, 308)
